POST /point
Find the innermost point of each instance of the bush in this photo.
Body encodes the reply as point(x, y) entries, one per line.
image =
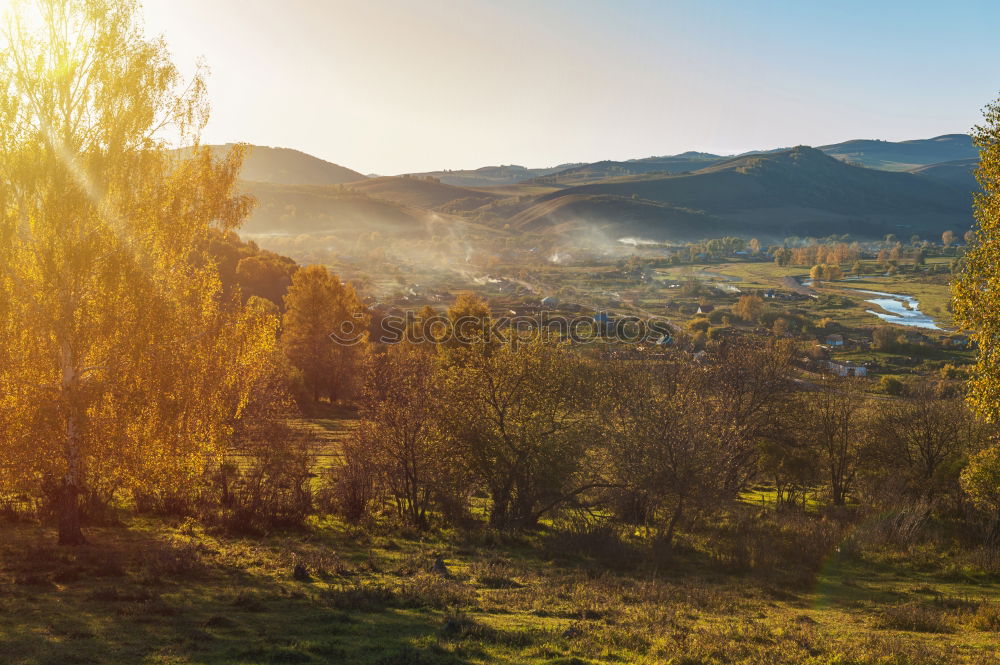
point(987, 617)
point(460, 626)
point(348, 490)
point(268, 487)
point(718, 316)
point(890, 385)
point(494, 573)
point(792, 544)
point(981, 479)
point(898, 529)
point(698, 324)
point(949, 372)
point(600, 541)
point(430, 590)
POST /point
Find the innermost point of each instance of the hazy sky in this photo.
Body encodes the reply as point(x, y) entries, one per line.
point(393, 86)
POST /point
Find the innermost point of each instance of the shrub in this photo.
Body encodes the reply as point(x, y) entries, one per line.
point(261, 479)
point(720, 315)
point(601, 542)
point(890, 385)
point(791, 544)
point(981, 479)
point(348, 490)
point(266, 484)
point(950, 372)
point(699, 324)
point(359, 597)
point(987, 617)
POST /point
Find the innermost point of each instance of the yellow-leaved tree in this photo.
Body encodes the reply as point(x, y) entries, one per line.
point(977, 308)
point(122, 367)
point(977, 290)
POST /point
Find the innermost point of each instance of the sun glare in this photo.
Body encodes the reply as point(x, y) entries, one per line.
point(26, 14)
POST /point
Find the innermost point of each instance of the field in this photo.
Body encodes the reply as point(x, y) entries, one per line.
point(932, 290)
point(169, 592)
point(159, 592)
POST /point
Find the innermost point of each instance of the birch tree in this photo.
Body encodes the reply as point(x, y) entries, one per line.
point(122, 363)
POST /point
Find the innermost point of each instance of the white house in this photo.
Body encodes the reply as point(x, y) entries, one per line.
point(847, 369)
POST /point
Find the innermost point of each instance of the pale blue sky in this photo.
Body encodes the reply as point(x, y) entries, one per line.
point(391, 86)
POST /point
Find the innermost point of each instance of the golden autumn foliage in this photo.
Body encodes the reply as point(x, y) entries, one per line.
point(122, 365)
point(977, 291)
point(825, 273)
point(324, 332)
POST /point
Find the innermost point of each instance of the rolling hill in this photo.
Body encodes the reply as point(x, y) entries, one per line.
point(284, 166)
point(904, 155)
point(960, 173)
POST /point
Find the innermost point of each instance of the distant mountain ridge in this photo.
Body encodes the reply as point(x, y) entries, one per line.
point(801, 191)
point(866, 188)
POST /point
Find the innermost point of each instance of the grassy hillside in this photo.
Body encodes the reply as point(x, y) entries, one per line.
point(904, 155)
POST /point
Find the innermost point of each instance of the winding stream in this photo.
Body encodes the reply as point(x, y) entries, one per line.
point(899, 309)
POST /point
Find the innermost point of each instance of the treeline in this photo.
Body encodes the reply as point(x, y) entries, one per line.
point(816, 254)
point(509, 435)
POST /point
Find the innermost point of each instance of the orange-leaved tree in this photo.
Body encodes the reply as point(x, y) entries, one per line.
point(325, 333)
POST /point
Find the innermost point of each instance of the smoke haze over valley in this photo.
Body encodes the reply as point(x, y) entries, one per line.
point(862, 188)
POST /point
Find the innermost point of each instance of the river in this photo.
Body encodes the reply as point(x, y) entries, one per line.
point(899, 309)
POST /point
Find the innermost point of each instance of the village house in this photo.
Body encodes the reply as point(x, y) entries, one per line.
point(847, 369)
point(959, 341)
point(834, 340)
